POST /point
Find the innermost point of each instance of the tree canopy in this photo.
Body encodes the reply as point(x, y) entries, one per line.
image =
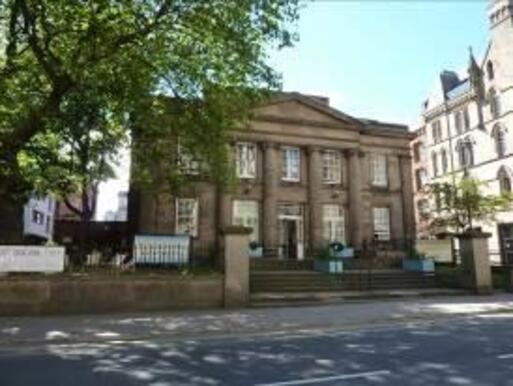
point(124, 52)
point(463, 205)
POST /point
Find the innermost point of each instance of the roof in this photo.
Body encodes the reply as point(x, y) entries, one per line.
point(462, 88)
point(322, 104)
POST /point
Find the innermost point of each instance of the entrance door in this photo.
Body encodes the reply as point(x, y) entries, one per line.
point(291, 238)
point(506, 243)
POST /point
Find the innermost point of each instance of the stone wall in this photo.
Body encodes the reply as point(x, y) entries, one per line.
point(54, 295)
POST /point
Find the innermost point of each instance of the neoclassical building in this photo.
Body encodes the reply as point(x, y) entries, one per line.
point(468, 123)
point(307, 174)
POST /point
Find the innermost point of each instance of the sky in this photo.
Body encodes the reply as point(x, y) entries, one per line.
point(374, 59)
point(379, 59)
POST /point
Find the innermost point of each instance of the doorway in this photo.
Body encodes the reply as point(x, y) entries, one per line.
point(506, 243)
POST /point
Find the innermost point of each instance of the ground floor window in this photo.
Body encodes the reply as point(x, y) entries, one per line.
point(333, 223)
point(187, 216)
point(245, 213)
point(381, 219)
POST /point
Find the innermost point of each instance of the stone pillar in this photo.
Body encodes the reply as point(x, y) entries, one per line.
point(407, 197)
point(476, 271)
point(314, 196)
point(236, 266)
point(355, 198)
point(270, 178)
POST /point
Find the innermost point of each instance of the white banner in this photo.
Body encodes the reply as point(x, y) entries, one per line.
point(25, 258)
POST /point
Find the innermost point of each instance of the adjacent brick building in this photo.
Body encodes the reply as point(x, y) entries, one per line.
point(308, 174)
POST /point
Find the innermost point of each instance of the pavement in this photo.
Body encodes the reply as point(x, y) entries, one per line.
point(453, 342)
point(15, 331)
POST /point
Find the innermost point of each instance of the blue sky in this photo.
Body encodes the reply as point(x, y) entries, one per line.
point(379, 59)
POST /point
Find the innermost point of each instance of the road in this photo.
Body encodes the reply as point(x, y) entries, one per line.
point(475, 350)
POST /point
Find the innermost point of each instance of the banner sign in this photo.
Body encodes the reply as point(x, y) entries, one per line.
point(161, 250)
point(27, 258)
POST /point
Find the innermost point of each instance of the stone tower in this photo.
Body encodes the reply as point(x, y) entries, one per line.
point(500, 13)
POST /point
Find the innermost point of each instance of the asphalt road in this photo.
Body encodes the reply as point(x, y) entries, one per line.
point(470, 351)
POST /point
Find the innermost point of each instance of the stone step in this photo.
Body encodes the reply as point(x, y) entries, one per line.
point(339, 286)
point(279, 299)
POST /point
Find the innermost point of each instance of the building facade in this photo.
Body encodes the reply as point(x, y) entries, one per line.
point(307, 175)
point(468, 123)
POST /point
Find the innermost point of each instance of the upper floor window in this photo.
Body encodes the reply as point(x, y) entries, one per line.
point(331, 167)
point(465, 151)
point(499, 136)
point(495, 103)
point(245, 213)
point(445, 161)
point(458, 123)
point(381, 221)
point(416, 151)
point(434, 162)
point(420, 178)
point(187, 216)
point(379, 170)
point(333, 223)
point(489, 70)
point(436, 129)
point(246, 160)
point(291, 164)
point(466, 119)
point(186, 161)
point(504, 177)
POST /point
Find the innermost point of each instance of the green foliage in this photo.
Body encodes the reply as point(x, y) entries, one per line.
point(76, 152)
point(124, 52)
point(463, 204)
point(324, 253)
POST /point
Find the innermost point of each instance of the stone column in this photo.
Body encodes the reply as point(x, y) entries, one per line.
point(236, 266)
point(270, 178)
point(355, 198)
point(314, 196)
point(407, 196)
point(476, 271)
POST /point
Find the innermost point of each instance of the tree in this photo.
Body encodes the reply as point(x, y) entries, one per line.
point(74, 154)
point(463, 204)
point(126, 51)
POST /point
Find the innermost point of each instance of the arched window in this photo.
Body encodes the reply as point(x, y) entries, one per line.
point(445, 163)
point(495, 103)
point(457, 121)
point(466, 119)
point(434, 160)
point(499, 136)
point(489, 70)
point(504, 177)
point(465, 151)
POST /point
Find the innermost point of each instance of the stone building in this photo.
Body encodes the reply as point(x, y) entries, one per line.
point(468, 123)
point(308, 174)
point(420, 179)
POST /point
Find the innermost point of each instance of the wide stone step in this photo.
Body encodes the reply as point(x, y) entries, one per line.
point(280, 299)
point(340, 286)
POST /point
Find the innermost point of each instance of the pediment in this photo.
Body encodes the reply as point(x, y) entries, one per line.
point(304, 110)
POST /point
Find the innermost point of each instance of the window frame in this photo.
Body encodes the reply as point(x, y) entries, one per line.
point(245, 149)
point(385, 233)
point(334, 225)
point(377, 170)
point(237, 208)
point(291, 172)
point(194, 216)
point(331, 166)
